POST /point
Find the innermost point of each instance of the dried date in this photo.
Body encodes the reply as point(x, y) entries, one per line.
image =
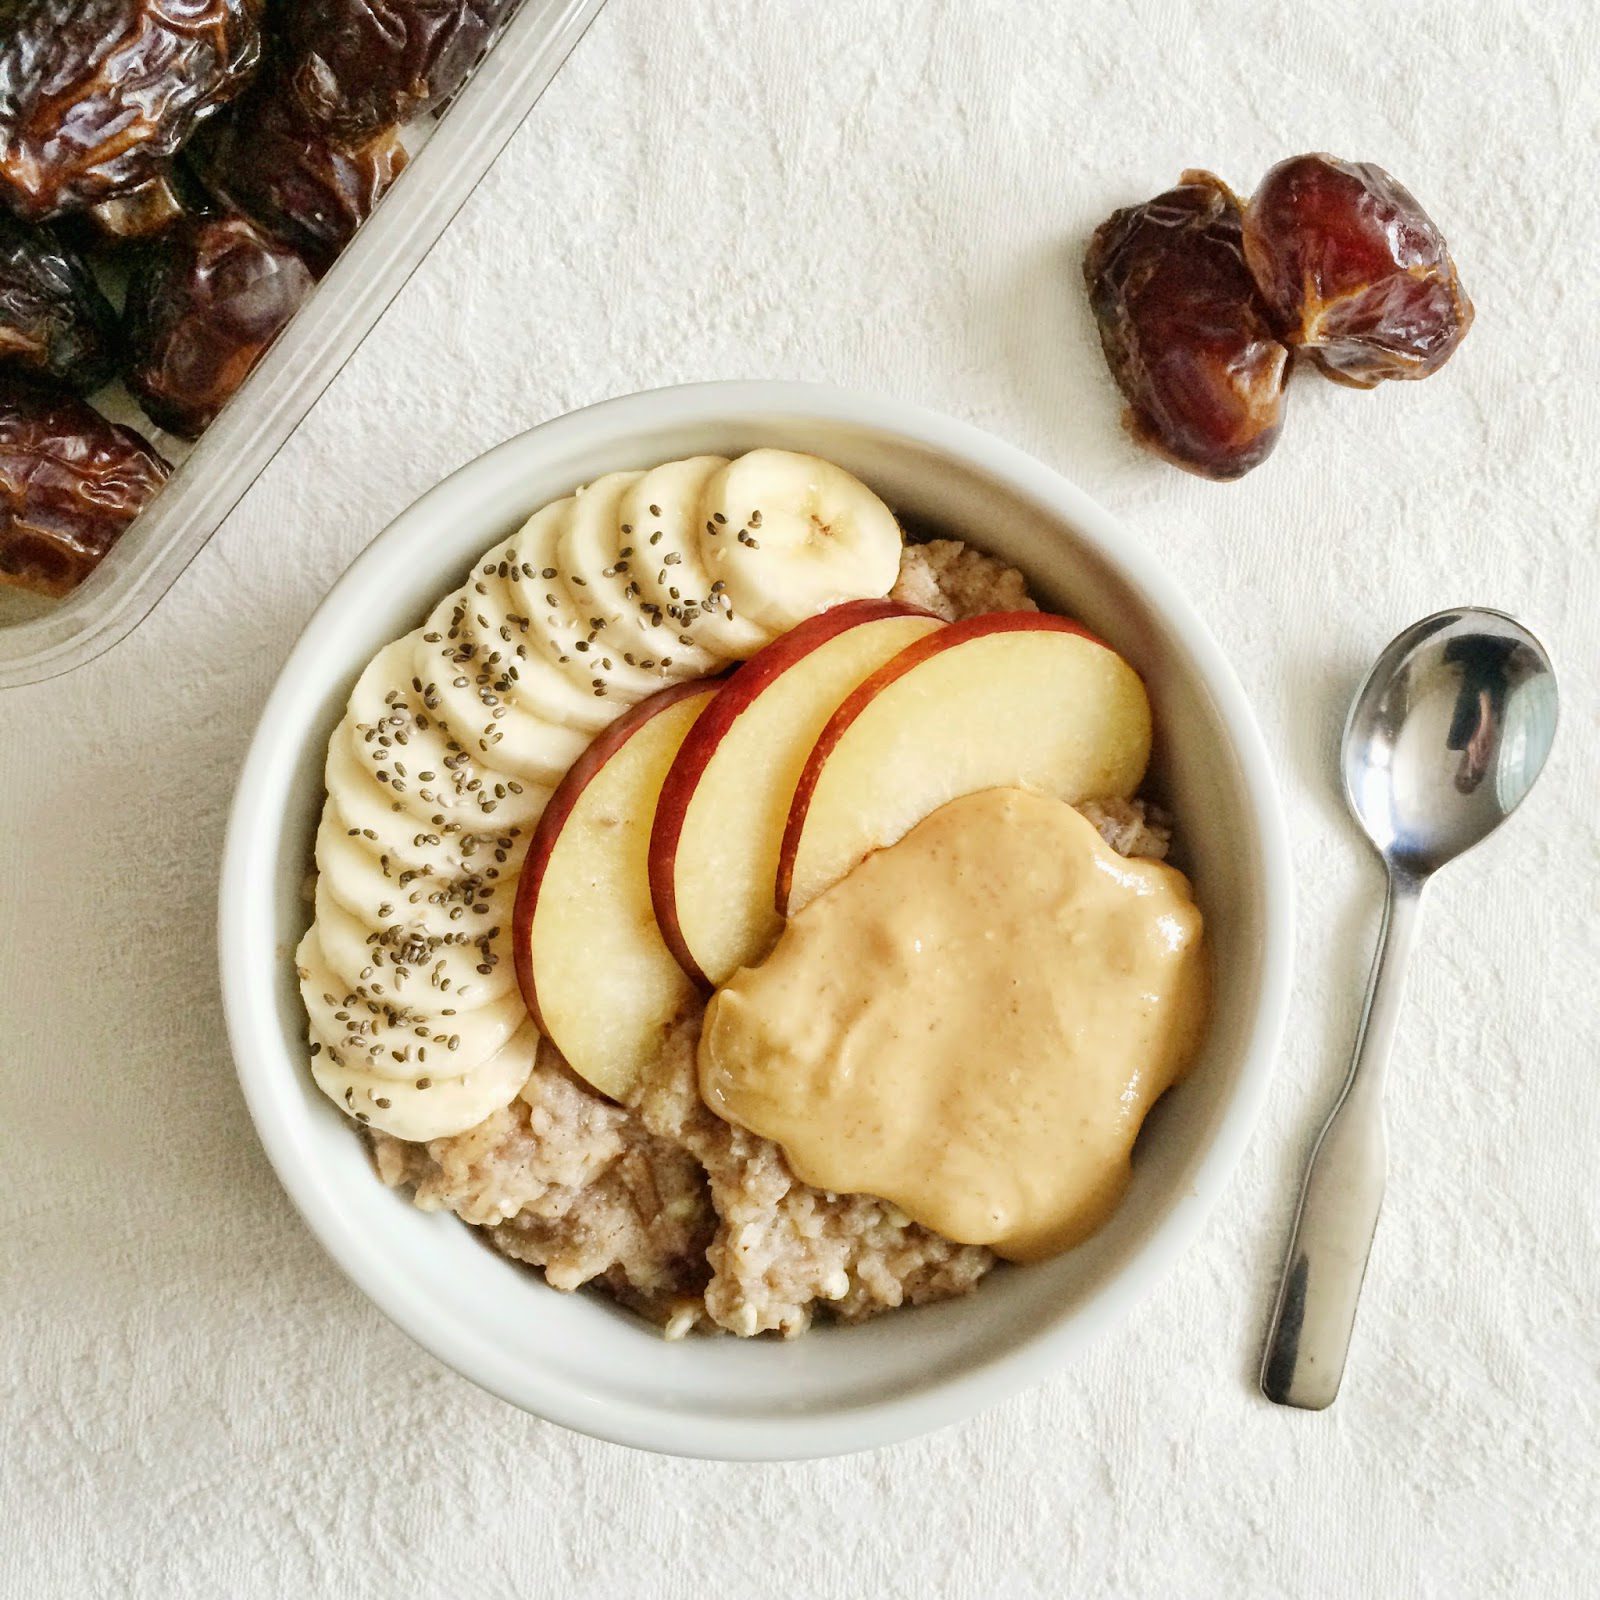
point(54, 321)
point(70, 483)
point(202, 307)
point(1185, 330)
point(154, 205)
point(295, 180)
point(1354, 271)
point(361, 65)
point(96, 96)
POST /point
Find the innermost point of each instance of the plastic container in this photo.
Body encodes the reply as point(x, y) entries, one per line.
point(42, 638)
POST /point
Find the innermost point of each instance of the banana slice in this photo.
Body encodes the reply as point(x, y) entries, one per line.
point(591, 544)
point(366, 814)
point(660, 518)
point(497, 654)
point(436, 782)
point(620, 583)
point(424, 1106)
point(581, 549)
point(370, 1027)
point(547, 602)
point(570, 635)
point(470, 663)
point(492, 731)
point(359, 864)
point(598, 575)
point(791, 535)
point(395, 909)
point(396, 734)
point(420, 965)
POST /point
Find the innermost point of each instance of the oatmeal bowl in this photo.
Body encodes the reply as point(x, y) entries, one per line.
point(755, 922)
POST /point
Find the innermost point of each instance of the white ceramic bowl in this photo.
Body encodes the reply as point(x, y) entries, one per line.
point(574, 1358)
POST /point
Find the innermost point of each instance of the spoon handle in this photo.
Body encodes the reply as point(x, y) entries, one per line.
point(1338, 1214)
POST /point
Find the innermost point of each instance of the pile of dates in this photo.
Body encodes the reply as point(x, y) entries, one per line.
point(213, 156)
point(1205, 302)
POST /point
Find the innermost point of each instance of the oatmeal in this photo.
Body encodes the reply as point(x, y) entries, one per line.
point(954, 581)
point(686, 1218)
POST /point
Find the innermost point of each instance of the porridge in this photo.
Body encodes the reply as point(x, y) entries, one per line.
point(542, 1073)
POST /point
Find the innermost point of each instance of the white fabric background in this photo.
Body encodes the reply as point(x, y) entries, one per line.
point(889, 194)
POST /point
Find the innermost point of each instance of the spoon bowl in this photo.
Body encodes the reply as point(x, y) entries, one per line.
point(1446, 735)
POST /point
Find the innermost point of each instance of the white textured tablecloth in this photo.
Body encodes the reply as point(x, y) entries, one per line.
point(888, 194)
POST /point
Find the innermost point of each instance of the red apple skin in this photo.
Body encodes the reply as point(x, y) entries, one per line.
point(951, 634)
point(732, 700)
point(559, 807)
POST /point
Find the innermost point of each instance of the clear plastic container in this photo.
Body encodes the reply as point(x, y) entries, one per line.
point(41, 638)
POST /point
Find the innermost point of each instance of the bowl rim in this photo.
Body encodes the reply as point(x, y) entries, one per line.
point(249, 1007)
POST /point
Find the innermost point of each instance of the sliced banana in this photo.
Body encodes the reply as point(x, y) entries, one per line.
point(791, 535)
point(567, 610)
point(437, 783)
point(547, 601)
point(393, 903)
point(362, 881)
point(576, 637)
point(366, 813)
point(512, 740)
point(598, 576)
point(662, 518)
point(466, 672)
point(456, 734)
point(371, 1028)
point(612, 646)
point(641, 626)
point(417, 962)
point(362, 868)
point(397, 734)
point(426, 1106)
point(499, 660)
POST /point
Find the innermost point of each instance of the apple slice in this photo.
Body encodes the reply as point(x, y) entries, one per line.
point(1009, 698)
point(590, 959)
point(720, 819)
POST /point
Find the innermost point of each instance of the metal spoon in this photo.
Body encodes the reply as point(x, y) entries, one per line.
point(1444, 738)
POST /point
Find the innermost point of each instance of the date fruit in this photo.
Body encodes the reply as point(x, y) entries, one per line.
point(70, 483)
point(202, 307)
point(296, 180)
point(1354, 271)
point(361, 65)
point(154, 205)
point(1185, 330)
point(96, 96)
point(54, 321)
